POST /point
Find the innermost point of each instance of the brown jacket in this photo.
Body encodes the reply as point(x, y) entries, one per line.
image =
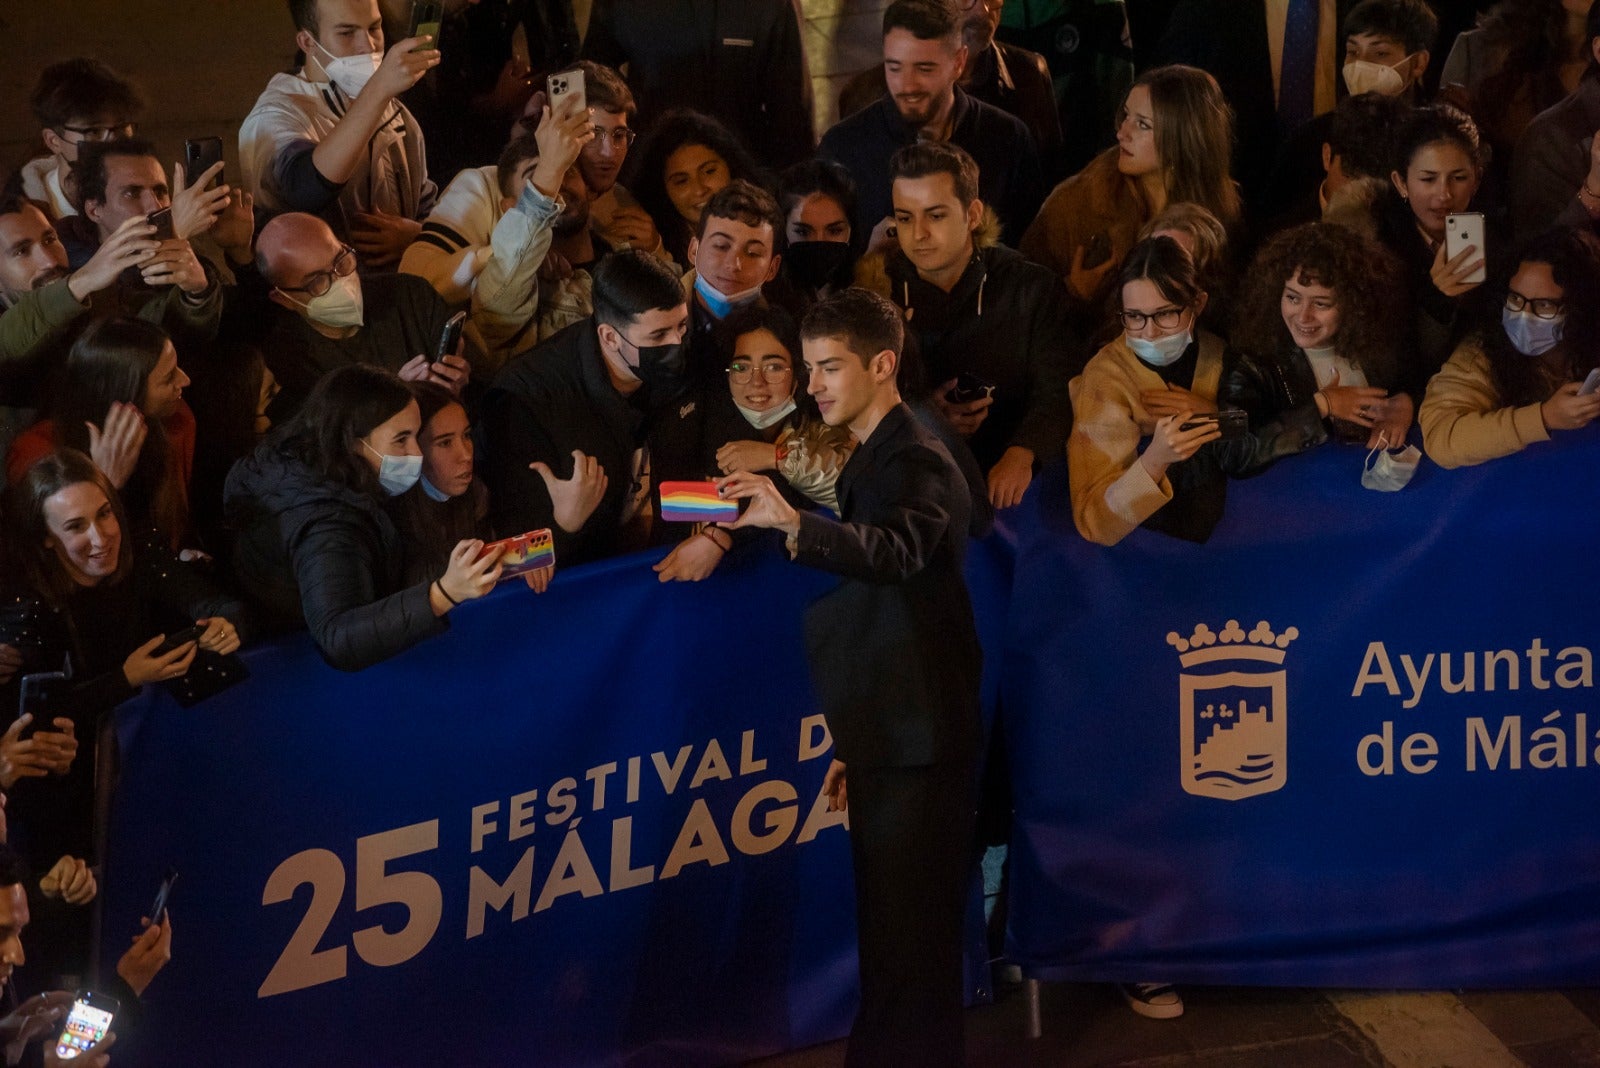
point(1097, 200)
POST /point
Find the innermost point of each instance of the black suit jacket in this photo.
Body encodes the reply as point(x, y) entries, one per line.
point(894, 650)
point(739, 60)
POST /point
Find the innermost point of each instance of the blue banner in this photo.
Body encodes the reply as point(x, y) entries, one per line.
point(1352, 741)
point(582, 828)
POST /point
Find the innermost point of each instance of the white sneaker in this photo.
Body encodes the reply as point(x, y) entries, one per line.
point(1157, 1001)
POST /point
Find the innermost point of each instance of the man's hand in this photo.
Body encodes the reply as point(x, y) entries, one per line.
point(96, 1056)
point(883, 238)
point(574, 499)
point(219, 637)
point(381, 238)
point(20, 758)
point(833, 787)
point(115, 450)
point(194, 207)
point(56, 744)
point(1009, 479)
point(71, 880)
point(633, 227)
point(35, 1018)
point(691, 560)
point(128, 246)
point(450, 373)
point(151, 950)
point(747, 456)
point(510, 90)
point(235, 229)
point(10, 662)
point(966, 418)
point(767, 507)
point(561, 138)
point(174, 264)
point(403, 67)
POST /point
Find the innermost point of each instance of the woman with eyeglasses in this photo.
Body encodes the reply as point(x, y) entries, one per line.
point(1174, 141)
point(760, 418)
point(1318, 330)
point(1138, 454)
point(1521, 375)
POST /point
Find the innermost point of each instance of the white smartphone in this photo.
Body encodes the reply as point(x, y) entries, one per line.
point(1465, 229)
point(1590, 384)
point(87, 1023)
point(567, 91)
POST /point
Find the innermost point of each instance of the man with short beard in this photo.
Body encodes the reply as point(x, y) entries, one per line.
point(512, 242)
point(923, 57)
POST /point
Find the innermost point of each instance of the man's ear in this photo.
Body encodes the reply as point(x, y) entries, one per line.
point(93, 209)
point(883, 366)
point(1327, 157)
point(282, 301)
point(54, 142)
point(1419, 64)
point(694, 248)
point(974, 217)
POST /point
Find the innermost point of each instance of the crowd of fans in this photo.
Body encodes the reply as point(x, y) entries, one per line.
point(228, 404)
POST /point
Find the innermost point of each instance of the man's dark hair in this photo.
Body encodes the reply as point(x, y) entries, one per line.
point(304, 14)
point(605, 89)
point(16, 204)
point(89, 172)
point(926, 20)
point(746, 202)
point(628, 284)
point(83, 89)
point(518, 151)
point(13, 869)
point(924, 158)
point(863, 321)
point(1361, 135)
point(1411, 22)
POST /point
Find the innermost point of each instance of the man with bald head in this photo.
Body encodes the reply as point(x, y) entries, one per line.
point(327, 316)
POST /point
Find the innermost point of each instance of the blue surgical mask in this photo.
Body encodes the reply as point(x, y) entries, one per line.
point(1163, 350)
point(719, 303)
point(434, 492)
point(1531, 335)
point(396, 474)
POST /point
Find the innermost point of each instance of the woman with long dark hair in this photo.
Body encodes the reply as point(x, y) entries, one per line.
point(1518, 377)
point(1320, 333)
point(316, 540)
point(682, 161)
point(120, 400)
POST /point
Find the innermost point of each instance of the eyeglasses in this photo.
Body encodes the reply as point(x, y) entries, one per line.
point(1165, 319)
point(620, 136)
point(318, 284)
point(102, 133)
point(1542, 308)
point(741, 371)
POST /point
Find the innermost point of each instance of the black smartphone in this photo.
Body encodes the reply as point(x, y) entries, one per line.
point(968, 388)
point(450, 336)
point(1096, 251)
point(179, 638)
point(162, 221)
point(200, 154)
point(87, 1023)
point(158, 907)
point(1233, 422)
point(425, 20)
point(38, 697)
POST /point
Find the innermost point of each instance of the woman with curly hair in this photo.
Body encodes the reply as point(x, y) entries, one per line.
point(685, 158)
point(1174, 141)
point(1524, 56)
point(1518, 376)
point(1317, 330)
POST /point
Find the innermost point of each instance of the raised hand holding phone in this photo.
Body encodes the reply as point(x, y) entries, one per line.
point(767, 508)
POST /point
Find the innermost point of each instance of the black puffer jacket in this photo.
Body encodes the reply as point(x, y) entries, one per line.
point(315, 550)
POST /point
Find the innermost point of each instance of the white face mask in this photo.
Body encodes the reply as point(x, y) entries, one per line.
point(340, 307)
point(1392, 470)
point(1365, 76)
point(349, 73)
point(762, 420)
point(1163, 350)
point(396, 474)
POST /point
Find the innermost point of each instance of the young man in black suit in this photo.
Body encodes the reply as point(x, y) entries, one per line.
point(894, 653)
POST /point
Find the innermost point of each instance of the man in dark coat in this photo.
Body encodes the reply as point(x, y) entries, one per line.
point(895, 656)
point(1555, 173)
point(739, 60)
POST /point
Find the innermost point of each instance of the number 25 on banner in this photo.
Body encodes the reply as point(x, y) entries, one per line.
point(302, 964)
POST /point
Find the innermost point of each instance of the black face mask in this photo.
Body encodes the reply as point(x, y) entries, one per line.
point(814, 264)
point(660, 366)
